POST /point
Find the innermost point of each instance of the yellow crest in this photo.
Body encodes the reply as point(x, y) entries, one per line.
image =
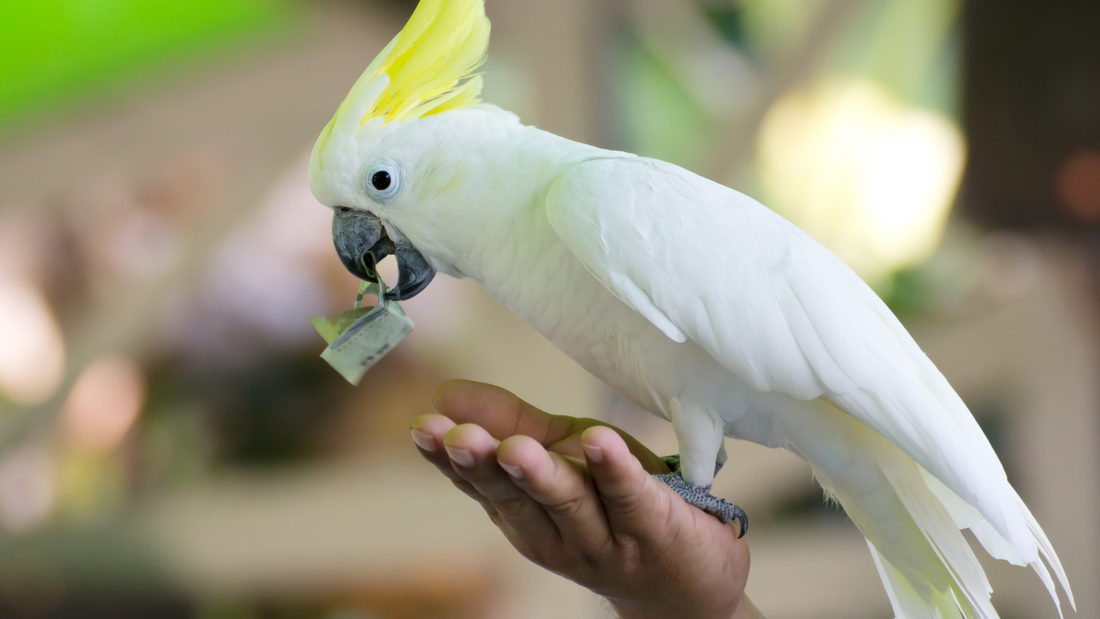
point(423, 71)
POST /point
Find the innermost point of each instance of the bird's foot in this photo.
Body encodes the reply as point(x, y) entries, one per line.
point(700, 496)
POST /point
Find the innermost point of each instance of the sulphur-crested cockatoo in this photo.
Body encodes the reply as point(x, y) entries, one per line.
point(688, 298)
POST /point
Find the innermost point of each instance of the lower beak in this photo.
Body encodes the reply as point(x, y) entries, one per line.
point(362, 241)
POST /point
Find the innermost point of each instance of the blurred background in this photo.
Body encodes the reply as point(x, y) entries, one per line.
point(171, 444)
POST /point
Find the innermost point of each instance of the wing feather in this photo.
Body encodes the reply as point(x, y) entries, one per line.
point(777, 309)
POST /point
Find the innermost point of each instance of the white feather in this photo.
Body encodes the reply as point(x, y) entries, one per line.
point(707, 309)
point(785, 315)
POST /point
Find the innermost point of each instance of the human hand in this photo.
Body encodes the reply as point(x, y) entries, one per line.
point(576, 497)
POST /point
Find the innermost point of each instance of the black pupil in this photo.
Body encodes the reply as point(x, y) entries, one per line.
point(381, 181)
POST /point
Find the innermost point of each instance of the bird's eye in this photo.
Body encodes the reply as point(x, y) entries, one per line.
point(383, 181)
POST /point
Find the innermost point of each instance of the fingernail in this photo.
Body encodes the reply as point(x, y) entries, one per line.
point(594, 453)
point(461, 457)
point(515, 471)
point(424, 441)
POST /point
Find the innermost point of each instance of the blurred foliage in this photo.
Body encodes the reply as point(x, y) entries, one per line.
point(267, 413)
point(771, 25)
point(46, 573)
point(660, 118)
point(909, 292)
point(805, 507)
point(259, 414)
point(910, 47)
point(729, 20)
point(51, 50)
point(282, 610)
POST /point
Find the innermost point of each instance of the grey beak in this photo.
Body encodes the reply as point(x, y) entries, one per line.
point(362, 242)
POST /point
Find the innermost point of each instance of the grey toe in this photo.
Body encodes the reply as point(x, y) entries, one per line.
point(700, 496)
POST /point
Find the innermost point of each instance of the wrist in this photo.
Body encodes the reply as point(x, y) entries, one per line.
point(747, 610)
point(627, 610)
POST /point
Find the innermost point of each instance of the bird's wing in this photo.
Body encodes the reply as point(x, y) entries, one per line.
point(777, 309)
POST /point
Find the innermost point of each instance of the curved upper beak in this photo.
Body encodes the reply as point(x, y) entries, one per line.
point(362, 242)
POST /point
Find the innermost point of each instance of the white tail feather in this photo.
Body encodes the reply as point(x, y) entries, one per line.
point(941, 533)
point(913, 522)
point(1047, 551)
point(904, 600)
point(913, 526)
point(926, 565)
point(967, 517)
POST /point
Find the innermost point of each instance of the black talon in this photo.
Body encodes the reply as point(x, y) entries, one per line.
point(700, 497)
point(742, 520)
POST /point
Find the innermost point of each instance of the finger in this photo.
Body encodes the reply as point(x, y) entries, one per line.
point(503, 414)
point(473, 454)
point(564, 491)
point(634, 502)
point(428, 432)
point(500, 412)
point(571, 446)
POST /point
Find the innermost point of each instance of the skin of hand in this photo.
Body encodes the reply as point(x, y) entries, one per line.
point(575, 496)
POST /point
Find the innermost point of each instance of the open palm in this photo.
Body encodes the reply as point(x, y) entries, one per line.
point(576, 497)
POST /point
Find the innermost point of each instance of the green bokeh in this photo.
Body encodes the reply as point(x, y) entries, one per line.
point(909, 47)
point(659, 117)
point(52, 51)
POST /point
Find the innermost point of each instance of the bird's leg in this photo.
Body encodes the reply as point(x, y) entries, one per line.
point(702, 446)
point(700, 496)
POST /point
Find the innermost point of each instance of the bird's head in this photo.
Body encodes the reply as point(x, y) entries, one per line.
point(372, 163)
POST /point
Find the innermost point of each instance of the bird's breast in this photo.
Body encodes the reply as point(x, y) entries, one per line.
point(535, 275)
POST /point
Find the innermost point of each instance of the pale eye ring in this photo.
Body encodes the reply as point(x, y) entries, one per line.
point(383, 181)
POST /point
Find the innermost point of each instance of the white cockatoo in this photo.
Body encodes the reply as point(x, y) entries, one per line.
point(686, 297)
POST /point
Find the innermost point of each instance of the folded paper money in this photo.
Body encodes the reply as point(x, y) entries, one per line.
point(359, 338)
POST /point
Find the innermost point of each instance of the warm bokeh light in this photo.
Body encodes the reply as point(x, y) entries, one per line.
point(1078, 185)
point(32, 353)
point(867, 176)
point(104, 403)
